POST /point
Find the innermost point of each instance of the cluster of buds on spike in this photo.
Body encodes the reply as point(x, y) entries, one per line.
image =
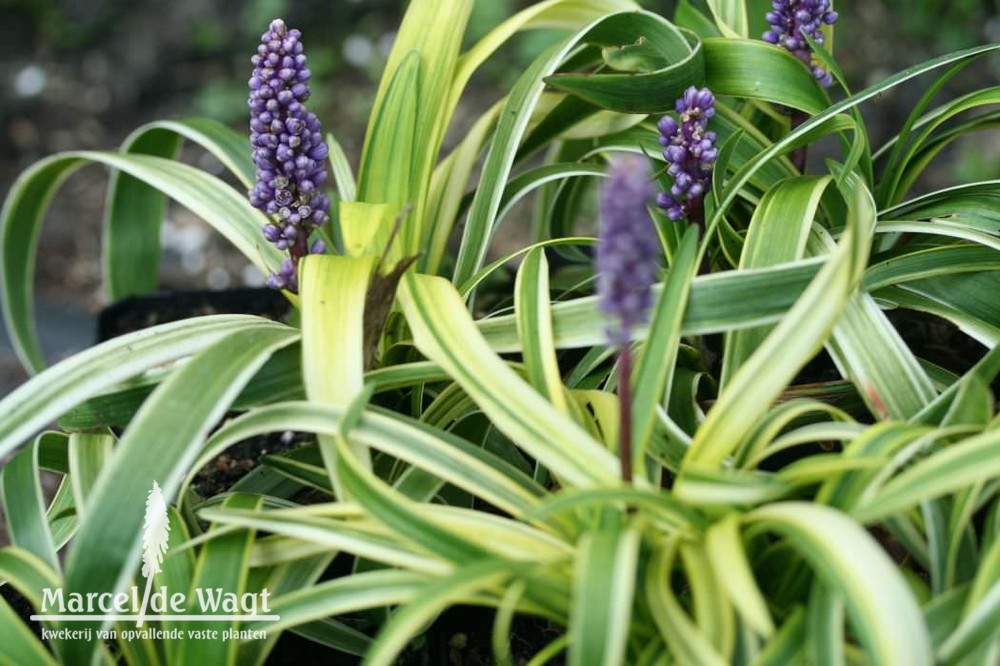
point(690, 151)
point(627, 267)
point(790, 20)
point(288, 150)
point(628, 251)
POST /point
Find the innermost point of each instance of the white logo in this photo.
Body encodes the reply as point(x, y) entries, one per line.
point(155, 534)
point(158, 604)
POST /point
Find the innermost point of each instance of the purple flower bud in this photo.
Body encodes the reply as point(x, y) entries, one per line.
point(690, 152)
point(790, 20)
point(272, 233)
point(628, 249)
point(288, 149)
point(667, 126)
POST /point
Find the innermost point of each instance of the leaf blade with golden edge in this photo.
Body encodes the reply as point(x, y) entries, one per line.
point(868, 351)
point(873, 355)
point(687, 642)
point(719, 302)
point(222, 565)
point(739, 88)
point(448, 186)
point(24, 505)
point(778, 233)
point(731, 17)
point(360, 591)
point(29, 575)
point(45, 397)
point(433, 598)
point(655, 368)
point(347, 186)
point(88, 452)
point(534, 325)
point(444, 332)
point(732, 569)
point(332, 534)
point(791, 344)
point(603, 594)
point(959, 465)
point(160, 443)
point(514, 120)
point(363, 225)
point(396, 164)
point(134, 209)
point(387, 173)
point(882, 608)
point(440, 453)
point(334, 290)
point(221, 206)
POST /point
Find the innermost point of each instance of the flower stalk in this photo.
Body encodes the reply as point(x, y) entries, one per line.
point(790, 22)
point(288, 151)
point(689, 148)
point(627, 268)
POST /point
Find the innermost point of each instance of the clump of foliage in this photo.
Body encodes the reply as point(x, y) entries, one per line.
point(780, 479)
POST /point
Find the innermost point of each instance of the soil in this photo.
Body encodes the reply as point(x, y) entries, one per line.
point(139, 312)
point(462, 636)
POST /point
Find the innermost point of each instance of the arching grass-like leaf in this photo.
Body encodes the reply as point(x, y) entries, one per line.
point(222, 566)
point(44, 398)
point(433, 598)
point(28, 574)
point(678, 65)
point(957, 466)
point(732, 569)
point(882, 609)
point(531, 302)
point(20, 224)
point(778, 232)
point(158, 447)
point(334, 290)
point(360, 591)
point(24, 506)
point(558, 443)
point(513, 124)
point(411, 112)
point(603, 594)
point(757, 70)
point(655, 368)
point(790, 345)
point(135, 207)
point(719, 302)
point(444, 455)
point(686, 641)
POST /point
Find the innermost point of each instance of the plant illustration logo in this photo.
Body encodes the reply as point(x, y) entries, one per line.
point(155, 537)
point(156, 602)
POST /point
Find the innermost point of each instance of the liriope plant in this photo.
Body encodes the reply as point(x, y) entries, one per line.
point(656, 504)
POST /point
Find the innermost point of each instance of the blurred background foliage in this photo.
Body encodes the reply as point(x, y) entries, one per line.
point(121, 62)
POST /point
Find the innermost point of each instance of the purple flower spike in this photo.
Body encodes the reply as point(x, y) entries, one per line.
point(286, 277)
point(628, 251)
point(689, 149)
point(288, 149)
point(790, 20)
